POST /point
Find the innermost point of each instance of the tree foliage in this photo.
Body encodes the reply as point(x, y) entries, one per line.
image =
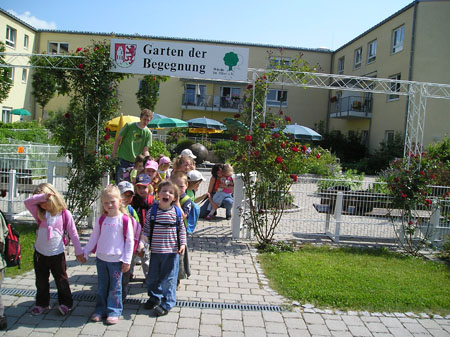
point(5, 76)
point(148, 92)
point(81, 130)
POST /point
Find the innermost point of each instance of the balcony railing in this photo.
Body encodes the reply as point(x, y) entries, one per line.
point(212, 103)
point(351, 107)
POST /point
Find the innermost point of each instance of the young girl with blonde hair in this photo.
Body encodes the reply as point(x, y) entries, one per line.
point(112, 239)
point(50, 212)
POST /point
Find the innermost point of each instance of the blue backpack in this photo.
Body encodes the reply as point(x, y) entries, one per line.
point(153, 212)
point(191, 220)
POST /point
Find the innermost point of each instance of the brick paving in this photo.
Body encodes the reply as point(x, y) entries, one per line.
point(223, 271)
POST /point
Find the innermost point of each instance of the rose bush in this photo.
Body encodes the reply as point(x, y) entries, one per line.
point(265, 157)
point(81, 130)
point(409, 182)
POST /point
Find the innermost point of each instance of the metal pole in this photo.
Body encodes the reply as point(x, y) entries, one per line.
point(237, 203)
point(338, 215)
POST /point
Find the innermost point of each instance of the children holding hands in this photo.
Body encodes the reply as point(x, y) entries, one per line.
point(113, 239)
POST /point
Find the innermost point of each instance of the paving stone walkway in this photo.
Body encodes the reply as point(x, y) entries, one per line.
point(223, 271)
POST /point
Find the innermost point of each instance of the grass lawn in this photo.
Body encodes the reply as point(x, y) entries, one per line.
point(359, 279)
point(26, 239)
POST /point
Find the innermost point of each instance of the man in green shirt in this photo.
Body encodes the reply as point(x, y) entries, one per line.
point(132, 140)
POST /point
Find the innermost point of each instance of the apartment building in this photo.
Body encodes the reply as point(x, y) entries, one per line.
point(409, 45)
point(412, 44)
point(18, 37)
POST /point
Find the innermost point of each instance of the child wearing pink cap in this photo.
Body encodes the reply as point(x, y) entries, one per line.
point(151, 169)
point(163, 167)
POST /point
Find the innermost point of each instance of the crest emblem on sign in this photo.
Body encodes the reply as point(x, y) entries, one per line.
point(124, 54)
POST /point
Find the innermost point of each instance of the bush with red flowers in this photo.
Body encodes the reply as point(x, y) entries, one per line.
point(269, 154)
point(409, 182)
point(81, 132)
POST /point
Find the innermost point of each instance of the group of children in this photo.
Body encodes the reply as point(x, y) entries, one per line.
point(144, 217)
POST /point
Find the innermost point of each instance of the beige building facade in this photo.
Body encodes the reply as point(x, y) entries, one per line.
point(412, 44)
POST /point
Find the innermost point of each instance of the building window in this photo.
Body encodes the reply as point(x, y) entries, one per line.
point(58, 48)
point(26, 41)
point(372, 51)
point(279, 61)
point(358, 58)
point(6, 115)
point(11, 34)
point(398, 35)
point(195, 94)
point(395, 87)
point(341, 65)
point(277, 97)
point(389, 136)
point(11, 74)
point(365, 137)
point(24, 75)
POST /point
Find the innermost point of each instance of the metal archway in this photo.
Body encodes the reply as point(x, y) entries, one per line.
point(417, 92)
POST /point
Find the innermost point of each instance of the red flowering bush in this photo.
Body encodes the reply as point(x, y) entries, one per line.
point(410, 183)
point(269, 154)
point(81, 132)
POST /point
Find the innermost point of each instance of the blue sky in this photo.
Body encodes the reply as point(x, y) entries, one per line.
point(297, 23)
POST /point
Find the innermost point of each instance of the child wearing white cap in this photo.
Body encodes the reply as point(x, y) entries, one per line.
point(188, 152)
point(195, 178)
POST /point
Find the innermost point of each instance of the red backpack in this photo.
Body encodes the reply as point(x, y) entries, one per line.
point(13, 251)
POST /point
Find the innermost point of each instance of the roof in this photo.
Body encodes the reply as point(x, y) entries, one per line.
point(404, 9)
point(119, 35)
point(17, 19)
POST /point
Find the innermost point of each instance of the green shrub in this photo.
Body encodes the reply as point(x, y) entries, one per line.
point(31, 132)
point(158, 148)
point(223, 150)
point(349, 179)
point(182, 144)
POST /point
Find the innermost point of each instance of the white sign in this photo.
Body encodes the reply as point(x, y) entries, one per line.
point(179, 59)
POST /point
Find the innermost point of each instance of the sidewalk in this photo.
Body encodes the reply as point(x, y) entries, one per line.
point(224, 275)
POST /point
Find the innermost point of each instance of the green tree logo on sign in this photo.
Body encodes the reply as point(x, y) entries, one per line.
point(231, 59)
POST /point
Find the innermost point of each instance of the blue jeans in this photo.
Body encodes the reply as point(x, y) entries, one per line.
point(162, 279)
point(121, 169)
point(227, 203)
point(109, 288)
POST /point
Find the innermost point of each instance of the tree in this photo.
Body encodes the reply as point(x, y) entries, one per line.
point(81, 130)
point(231, 59)
point(5, 76)
point(148, 93)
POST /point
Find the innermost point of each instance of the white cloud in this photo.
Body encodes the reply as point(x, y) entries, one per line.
point(34, 21)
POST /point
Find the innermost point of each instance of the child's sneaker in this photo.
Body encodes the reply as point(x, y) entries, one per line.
point(63, 309)
point(37, 310)
point(96, 318)
point(111, 320)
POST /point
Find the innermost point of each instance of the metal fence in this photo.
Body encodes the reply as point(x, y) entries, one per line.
point(314, 209)
point(23, 166)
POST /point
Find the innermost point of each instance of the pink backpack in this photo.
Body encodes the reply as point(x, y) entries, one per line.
point(125, 230)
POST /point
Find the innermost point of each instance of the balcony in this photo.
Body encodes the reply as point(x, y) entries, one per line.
point(351, 107)
point(212, 103)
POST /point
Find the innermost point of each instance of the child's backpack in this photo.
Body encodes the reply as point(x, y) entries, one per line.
point(191, 220)
point(125, 230)
point(12, 252)
point(153, 212)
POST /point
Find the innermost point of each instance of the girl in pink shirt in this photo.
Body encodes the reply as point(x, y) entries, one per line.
point(50, 212)
point(114, 249)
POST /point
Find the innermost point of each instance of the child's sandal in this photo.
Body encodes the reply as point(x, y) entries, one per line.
point(38, 310)
point(63, 309)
